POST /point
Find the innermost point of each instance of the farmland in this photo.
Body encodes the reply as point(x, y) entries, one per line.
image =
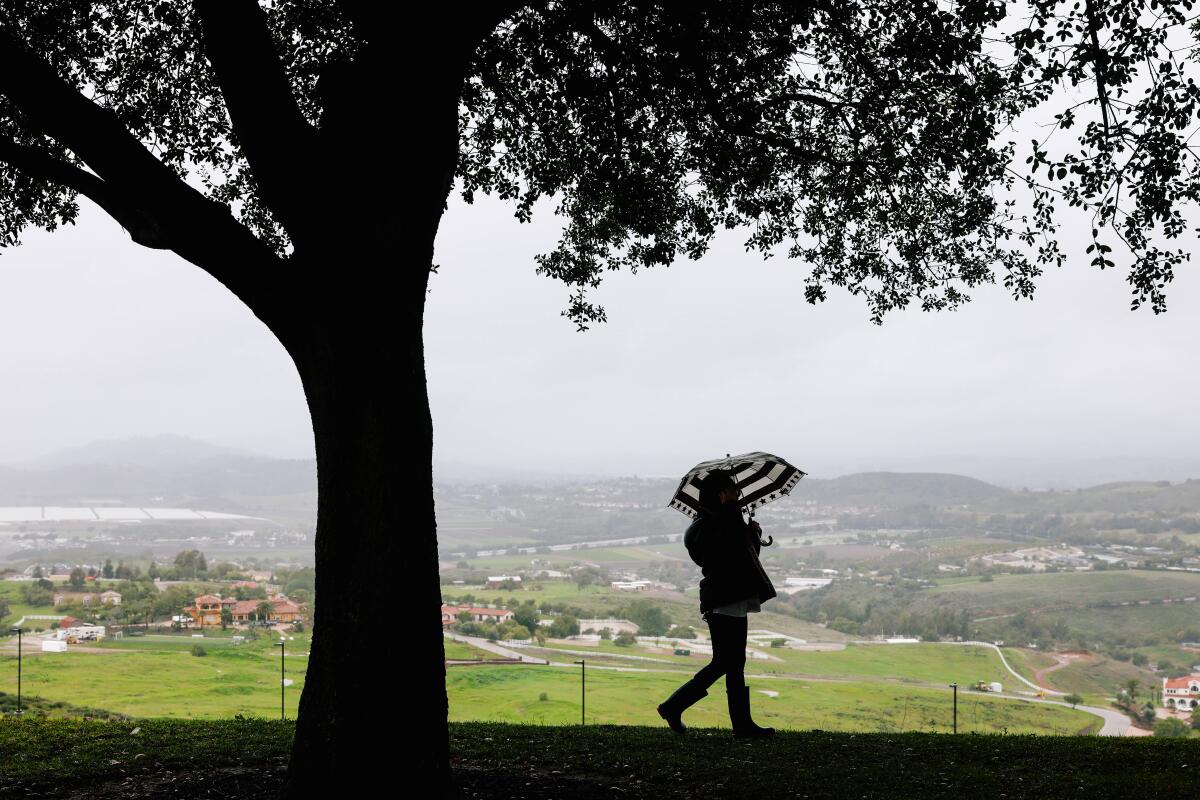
point(158, 676)
point(512, 694)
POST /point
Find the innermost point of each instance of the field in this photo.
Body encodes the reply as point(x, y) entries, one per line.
point(1014, 593)
point(461, 651)
point(155, 676)
point(512, 694)
point(939, 664)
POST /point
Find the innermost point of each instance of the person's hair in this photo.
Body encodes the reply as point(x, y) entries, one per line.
point(711, 486)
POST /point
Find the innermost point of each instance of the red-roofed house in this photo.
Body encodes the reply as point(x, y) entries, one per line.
point(206, 611)
point(450, 614)
point(1182, 693)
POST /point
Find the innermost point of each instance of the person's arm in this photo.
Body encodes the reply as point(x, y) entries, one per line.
point(755, 535)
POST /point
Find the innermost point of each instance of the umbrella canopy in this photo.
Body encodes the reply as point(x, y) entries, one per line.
point(761, 478)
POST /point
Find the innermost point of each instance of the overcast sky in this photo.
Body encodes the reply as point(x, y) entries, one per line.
point(100, 338)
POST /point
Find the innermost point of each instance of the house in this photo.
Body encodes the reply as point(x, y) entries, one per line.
point(628, 586)
point(84, 598)
point(206, 611)
point(1181, 693)
point(110, 598)
point(494, 582)
point(285, 610)
point(450, 614)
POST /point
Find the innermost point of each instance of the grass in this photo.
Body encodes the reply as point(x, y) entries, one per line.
point(1012, 593)
point(498, 760)
point(157, 676)
point(512, 694)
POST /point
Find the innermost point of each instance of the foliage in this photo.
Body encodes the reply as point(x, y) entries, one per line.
point(1171, 728)
point(198, 650)
point(563, 626)
point(648, 615)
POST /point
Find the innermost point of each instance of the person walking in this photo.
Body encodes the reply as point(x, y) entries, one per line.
point(726, 548)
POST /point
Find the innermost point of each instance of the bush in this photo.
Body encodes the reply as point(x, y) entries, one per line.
point(625, 639)
point(198, 650)
point(1171, 728)
point(543, 697)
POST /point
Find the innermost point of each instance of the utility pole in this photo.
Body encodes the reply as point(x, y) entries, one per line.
point(583, 691)
point(18, 632)
point(954, 686)
point(281, 644)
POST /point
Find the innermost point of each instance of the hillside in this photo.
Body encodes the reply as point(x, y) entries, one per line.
point(244, 759)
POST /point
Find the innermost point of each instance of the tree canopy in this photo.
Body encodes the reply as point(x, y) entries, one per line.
point(863, 139)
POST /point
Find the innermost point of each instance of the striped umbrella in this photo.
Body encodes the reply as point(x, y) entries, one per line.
point(761, 478)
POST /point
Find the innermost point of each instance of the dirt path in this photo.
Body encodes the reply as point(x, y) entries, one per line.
point(1060, 660)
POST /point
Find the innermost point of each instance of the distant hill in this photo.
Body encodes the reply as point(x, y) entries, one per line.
point(1117, 498)
point(152, 470)
point(897, 489)
point(165, 451)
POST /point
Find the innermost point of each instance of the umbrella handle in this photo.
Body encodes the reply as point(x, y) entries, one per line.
point(770, 540)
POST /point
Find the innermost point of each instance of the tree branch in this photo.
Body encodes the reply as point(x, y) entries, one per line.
point(271, 130)
point(198, 229)
point(143, 228)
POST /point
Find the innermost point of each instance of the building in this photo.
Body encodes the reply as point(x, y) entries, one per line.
point(1181, 693)
point(206, 611)
point(85, 599)
point(450, 614)
point(629, 586)
point(110, 598)
point(494, 582)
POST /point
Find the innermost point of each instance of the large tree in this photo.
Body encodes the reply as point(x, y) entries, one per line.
point(302, 154)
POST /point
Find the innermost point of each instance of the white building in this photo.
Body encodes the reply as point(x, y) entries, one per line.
point(1181, 693)
point(629, 586)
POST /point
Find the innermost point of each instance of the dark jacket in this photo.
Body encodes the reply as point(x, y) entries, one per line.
point(727, 551)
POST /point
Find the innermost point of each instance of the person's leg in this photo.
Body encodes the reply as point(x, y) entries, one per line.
point(718, 631)
point(734, 652)
point(697, 687)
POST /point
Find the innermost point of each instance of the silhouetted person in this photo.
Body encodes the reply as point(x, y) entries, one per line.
point(734, 583)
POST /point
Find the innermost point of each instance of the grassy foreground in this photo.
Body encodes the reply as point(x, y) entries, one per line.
point(70, 758)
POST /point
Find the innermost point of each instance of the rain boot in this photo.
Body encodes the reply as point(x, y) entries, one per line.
point(739, 714)
point(673, 707)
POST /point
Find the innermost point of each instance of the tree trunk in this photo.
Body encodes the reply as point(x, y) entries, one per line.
point(374, 704)
point(374, 707)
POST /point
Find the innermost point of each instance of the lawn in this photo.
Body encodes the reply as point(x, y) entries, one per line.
point(513, 694)
point(156, 676)
point(1012, 593)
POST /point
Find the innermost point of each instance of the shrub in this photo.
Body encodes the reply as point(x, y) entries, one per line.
point(198, 650)
point(1171, 728)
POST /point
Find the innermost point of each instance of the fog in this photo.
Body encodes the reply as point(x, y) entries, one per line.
point(100, 338)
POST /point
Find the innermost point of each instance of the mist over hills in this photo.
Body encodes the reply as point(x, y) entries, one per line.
point(141, 469)
point(177, 469)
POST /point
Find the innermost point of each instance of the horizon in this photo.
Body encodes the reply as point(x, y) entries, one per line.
point(467, 472)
